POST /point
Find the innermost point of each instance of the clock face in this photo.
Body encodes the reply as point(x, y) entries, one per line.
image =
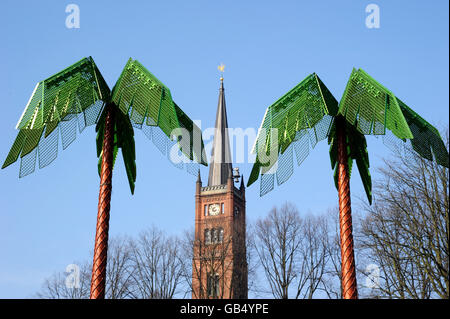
point(214, 209)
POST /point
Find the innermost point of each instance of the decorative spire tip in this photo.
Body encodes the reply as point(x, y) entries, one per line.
point(221, 68)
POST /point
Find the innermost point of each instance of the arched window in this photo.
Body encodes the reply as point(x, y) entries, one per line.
point(213, 285)
point(207, 237)
point(220, 235)
point(215, 235)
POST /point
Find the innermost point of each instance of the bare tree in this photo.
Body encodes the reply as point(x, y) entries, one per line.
point(148, 267)
point(277, 241)
point(118, 282)
point(406, 232)
point(56, 287)
point(156, 270)
point(186, 260)
point(314, 255)
point(252, 259)
point(331, 281)
point(291, 251)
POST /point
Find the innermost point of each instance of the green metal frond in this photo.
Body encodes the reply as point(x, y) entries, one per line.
point(372, 108)
point(123, 139)
point(427, 141)
point(297, 121)
point(73, 97)
point(148, 102)
point(195, 149)
point(356, 151)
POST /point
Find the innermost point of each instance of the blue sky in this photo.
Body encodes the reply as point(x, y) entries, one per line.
point(47, 219)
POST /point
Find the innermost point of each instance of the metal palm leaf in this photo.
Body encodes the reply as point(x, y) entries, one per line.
point(148, 102)
point(374, 110)
point(308, 113)
point(79, 96)
point(58, 105)
point(297, 121)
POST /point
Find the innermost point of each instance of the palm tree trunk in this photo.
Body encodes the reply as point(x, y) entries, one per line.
point(98, 281)
point(349, 290)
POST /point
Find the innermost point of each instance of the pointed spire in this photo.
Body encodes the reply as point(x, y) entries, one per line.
point(242, 182)
point(220, 165)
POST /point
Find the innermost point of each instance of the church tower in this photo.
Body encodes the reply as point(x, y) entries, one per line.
point(219, 266)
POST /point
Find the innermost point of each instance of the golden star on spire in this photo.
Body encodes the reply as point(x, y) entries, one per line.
point(221, 68)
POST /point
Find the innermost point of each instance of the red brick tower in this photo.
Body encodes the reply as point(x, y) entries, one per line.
point(219, 267)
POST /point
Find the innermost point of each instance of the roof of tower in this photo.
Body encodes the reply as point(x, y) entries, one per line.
point(220, 164)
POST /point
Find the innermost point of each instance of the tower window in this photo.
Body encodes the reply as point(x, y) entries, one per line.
point(215, 235)
point(207, 237)
point(220, 235)
point(206, 210)
point(213, 286)
point(223, 208)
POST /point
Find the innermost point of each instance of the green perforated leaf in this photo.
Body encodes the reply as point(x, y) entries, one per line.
point(76, 96)
point(306, 115)
point(70, 98)
point(148, 102)
point(191, 146)
point(373, 109)
point(426, 138)
point(297, 121)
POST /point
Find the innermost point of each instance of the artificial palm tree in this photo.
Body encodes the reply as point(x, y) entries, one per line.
point(79, 96)
point(309, 113)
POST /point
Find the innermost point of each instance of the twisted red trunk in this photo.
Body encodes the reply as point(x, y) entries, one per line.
point(98, 281)
point(348, 280)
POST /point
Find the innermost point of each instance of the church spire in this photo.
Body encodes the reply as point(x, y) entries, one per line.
point(220, 164)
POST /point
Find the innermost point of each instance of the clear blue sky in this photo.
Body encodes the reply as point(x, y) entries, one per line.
point(47, 220)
